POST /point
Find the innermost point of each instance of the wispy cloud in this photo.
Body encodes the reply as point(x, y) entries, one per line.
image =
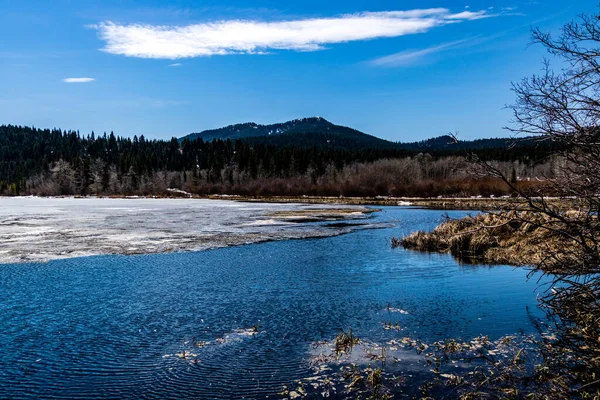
point(255, 37)
point(175, 65)
point(78, 80)
point(411, 57)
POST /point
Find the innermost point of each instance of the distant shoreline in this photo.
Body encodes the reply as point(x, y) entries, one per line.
point(450, 203)
point(435, 203)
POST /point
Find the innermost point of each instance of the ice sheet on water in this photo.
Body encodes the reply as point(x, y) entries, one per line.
point(36, 229)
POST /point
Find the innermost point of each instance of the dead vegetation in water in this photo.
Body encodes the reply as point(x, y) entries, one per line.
point(404, 367)
point(345, 341)
point(509, 237)
point(192, 346)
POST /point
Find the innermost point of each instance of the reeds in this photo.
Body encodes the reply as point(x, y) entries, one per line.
point(510, 237)
point(345, 341)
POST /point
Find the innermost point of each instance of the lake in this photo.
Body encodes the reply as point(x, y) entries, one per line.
point(182, 325)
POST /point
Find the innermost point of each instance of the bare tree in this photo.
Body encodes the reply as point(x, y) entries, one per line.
point(64, 176)
point(96, 172)
point(563, 106)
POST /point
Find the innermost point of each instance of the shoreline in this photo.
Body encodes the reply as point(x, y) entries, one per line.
point(517, 238)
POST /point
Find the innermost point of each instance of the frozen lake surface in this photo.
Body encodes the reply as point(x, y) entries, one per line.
point(41, 229)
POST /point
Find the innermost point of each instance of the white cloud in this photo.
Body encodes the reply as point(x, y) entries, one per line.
point(78, 80)
point(468, 15)
point(175, 65)
point(256, 37)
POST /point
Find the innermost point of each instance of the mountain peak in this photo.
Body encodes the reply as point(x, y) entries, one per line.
point(310, 119)
point(252, 129)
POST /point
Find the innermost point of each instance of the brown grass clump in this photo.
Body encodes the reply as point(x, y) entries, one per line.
point(345, 341)
point(509, 237)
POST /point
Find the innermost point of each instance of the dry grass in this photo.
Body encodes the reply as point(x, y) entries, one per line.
point(515, 238)
point(336, 213)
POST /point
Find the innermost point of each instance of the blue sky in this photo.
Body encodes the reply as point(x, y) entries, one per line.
point(400, 70)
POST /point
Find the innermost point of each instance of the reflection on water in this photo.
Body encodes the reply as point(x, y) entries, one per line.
point(239, 321)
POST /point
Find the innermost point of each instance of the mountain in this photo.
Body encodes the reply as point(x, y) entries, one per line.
point(302, 133)
point(316, 131)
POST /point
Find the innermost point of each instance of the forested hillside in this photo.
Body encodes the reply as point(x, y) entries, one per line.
point(303, 132)
point(55, 162)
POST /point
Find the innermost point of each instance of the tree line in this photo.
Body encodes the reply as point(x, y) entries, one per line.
point(56, 162)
